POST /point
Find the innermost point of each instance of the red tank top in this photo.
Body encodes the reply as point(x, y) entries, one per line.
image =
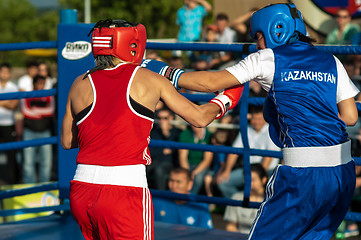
point(113, 133)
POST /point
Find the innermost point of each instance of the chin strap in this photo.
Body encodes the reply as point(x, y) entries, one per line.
point(294, 38)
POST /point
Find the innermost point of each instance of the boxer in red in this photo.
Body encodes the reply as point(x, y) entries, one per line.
point(109, 115)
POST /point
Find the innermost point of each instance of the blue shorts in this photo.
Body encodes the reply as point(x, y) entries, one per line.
point(304, 203)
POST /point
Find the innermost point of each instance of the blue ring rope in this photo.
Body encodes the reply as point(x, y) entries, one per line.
point(27, 45)
point(352, 216)
point(221, 149)
point(235, 47)
point(29, 190)
point(239, 47)
point(28, 143)
point(199, 46)
point(12, 212)
point(30, 94)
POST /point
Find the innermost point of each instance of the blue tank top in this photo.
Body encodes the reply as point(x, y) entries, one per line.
point(301, 106)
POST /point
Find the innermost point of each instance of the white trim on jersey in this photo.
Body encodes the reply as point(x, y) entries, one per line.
point(146, 156)
point(120, 64)
point(94, 101)
point(128, 97)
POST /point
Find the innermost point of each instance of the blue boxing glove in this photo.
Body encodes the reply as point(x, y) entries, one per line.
point(171, 73)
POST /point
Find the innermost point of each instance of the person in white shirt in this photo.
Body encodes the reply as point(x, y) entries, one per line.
point(231, 180)
point(240, 219)
point(25, 82)
point(8, 174)
point(225, 35)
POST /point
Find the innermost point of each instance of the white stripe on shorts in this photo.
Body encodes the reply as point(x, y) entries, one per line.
point(147, 214)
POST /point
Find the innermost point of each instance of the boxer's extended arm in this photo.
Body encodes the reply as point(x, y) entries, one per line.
point(200, 116)
point(204, 81)
point(196, 115)
point(148, 88)
point(201, 81)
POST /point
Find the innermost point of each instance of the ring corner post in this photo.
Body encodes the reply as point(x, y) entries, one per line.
point(74, 59)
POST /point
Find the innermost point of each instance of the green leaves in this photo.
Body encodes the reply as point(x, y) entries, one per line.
point(157, 15)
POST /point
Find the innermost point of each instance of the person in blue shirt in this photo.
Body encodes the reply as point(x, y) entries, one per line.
point(310, 102)
point(181, 212)
point(190, 21)
point(190, 18)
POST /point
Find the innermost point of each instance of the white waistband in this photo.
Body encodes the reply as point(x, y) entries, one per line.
point(130, 175)
point(329, 156)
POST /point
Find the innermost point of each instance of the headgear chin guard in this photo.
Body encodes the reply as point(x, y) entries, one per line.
point(279, 23)
point(124, 42)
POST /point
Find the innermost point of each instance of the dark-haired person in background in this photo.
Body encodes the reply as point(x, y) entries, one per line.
point(163, 159)
point(8, 174)
point(240, 219)
point(38, 122)
point(181, 212)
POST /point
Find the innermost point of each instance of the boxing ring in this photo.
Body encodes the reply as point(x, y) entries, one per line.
point(74, 58)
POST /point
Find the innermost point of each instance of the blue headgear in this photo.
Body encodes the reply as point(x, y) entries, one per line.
point(279, 23)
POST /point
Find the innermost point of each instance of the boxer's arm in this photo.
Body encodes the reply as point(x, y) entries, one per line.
point(204, 81)
point(196, 115)
point(201, 115)
point(258, 66)
point(69, 132)
point(348, 111)
point(201, 81)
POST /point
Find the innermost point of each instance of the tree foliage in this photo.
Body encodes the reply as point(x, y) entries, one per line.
point(158, 15)
point(20, 21)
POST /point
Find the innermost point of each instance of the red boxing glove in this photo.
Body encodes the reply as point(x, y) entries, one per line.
point(227, 99)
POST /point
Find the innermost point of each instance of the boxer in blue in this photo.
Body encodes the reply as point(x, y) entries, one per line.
point(309, 104)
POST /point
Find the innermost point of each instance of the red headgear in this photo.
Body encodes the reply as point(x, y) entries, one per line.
point(125, 43)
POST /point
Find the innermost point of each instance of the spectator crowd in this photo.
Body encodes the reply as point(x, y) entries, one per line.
point(27, 119)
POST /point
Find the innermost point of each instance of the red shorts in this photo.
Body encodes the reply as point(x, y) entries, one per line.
point(112, 212)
